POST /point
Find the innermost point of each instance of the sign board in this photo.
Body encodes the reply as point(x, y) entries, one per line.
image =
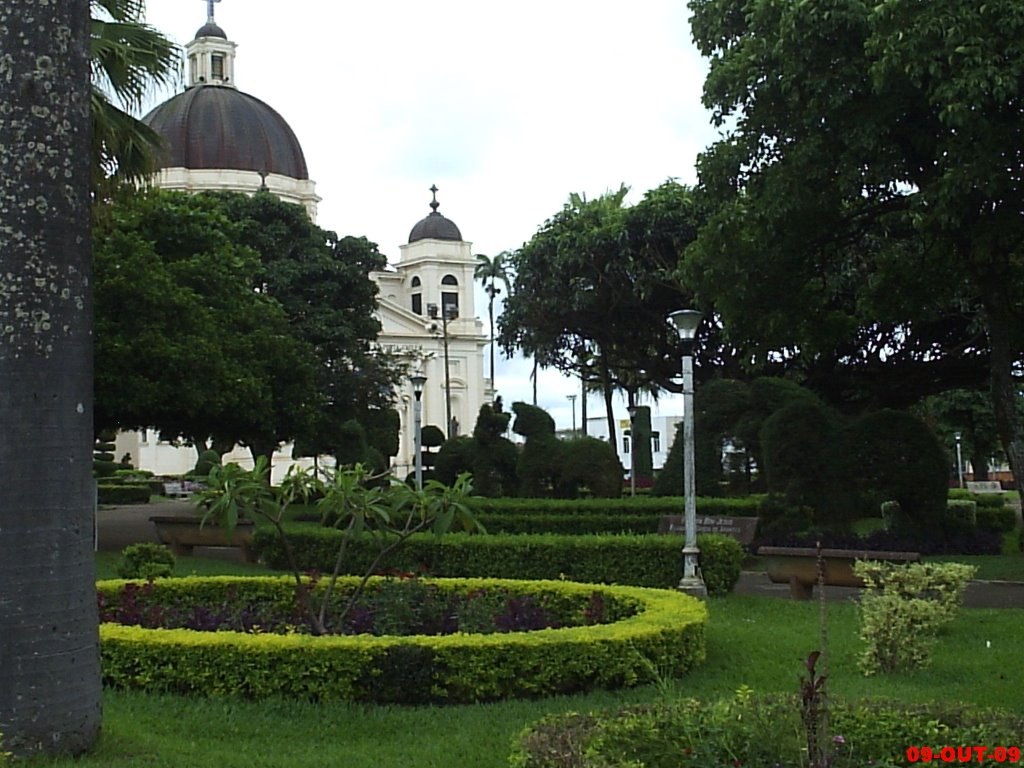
point(740, 528)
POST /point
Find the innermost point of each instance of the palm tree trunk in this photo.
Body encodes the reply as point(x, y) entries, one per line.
point(49, 662)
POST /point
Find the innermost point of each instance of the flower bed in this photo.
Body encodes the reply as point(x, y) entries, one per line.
point(658, 632)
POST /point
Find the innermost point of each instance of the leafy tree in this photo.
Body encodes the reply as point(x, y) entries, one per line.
point(205, 355)
point(490, 272)
point(968, 412)
point(322, 282)
point(128, 59)
point(49, 666)
point(866, 195)
point(595, 286)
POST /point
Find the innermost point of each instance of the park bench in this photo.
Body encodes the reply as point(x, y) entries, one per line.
point(183, 533)
point(798, 566)
point(984, 486)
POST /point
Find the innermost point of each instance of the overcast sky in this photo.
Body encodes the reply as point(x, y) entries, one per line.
point(508, 108)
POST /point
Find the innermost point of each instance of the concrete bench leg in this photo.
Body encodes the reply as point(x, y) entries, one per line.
point(800, 590)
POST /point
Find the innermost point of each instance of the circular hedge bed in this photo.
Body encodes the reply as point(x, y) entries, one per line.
point(649, 633)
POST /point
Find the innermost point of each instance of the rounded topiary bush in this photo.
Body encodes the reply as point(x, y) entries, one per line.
point(663, 633)
point(207, 461)
point(898, 458)
point(145, 561)
point(592, 464)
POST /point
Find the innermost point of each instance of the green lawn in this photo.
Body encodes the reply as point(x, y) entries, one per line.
point(759, 642)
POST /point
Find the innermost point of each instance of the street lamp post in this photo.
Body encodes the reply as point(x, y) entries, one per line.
point(418, 380)
point(632, 450)
point(959, 460)
point(686, 321)
point(447, 313)
point(572, 399)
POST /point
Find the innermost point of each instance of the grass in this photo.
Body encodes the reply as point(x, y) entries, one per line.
point(106, 566)
point(754, 641)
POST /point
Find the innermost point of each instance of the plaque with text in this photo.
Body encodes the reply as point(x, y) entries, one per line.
point(740, 528)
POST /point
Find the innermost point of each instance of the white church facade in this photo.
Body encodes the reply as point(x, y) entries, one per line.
point(220, 138)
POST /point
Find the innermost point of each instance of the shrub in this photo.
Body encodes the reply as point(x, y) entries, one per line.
point(902, 609)
point(899, 458)
point(721, 559)
point(805, 461)
point(664, 636)
point(454, 458)
point(587, 462)
point(123, 494)
point(749, 730)
point(648, 561)
point(207, 460)
point(495, 456)
point(145, 561)
point(996, 519)
point(961, 517)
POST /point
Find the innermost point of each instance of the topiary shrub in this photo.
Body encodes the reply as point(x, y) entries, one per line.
point(122, 494)
point(804, 462)
point(495, 457)
point(206, 461)
point(961, 517)
point(896, 457)
point(541, 457)
point(454, 458)
point(146, 561)
point(721, 559)
point(587, 462)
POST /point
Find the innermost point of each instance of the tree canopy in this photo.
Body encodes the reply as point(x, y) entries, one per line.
point(249, 324)
point(866, 199)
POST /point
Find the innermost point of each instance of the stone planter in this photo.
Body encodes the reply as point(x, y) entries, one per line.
point(798, 566)
point(181, 534)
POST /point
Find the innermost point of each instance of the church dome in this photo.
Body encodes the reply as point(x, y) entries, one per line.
point(210, 29)
point(220, 127)
point(435, 226)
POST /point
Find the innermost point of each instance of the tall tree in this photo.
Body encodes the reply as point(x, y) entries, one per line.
point(205, 355)
point(129, 58)
point(600, 277)
point(49, 665)
point(868, 192)
point(322, 282)
point(490, 272)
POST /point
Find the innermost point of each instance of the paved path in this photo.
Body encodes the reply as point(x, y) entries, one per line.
point(119, 526)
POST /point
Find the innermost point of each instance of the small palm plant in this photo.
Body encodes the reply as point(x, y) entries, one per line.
point(353, 501)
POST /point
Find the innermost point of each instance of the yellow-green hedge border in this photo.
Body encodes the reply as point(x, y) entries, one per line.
point(664, 637)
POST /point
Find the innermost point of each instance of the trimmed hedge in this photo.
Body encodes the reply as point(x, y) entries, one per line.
point(123, 494)
point(665, 636)
point(645, 561)
point(640, 506)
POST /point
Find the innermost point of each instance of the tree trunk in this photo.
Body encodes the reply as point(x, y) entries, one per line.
point(49, 641)
point(1005, 392)
point(979, 466)
point(264, 448)
point(606, 387)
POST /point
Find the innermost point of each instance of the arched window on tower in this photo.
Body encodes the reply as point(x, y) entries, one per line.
point(450, 295)
point(417, 296)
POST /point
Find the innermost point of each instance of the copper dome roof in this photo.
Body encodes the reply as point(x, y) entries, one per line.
point(219, 127)
point(434, 226)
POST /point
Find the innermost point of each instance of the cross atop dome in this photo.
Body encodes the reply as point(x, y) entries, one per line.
point(434, 205)
point(209, 10)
